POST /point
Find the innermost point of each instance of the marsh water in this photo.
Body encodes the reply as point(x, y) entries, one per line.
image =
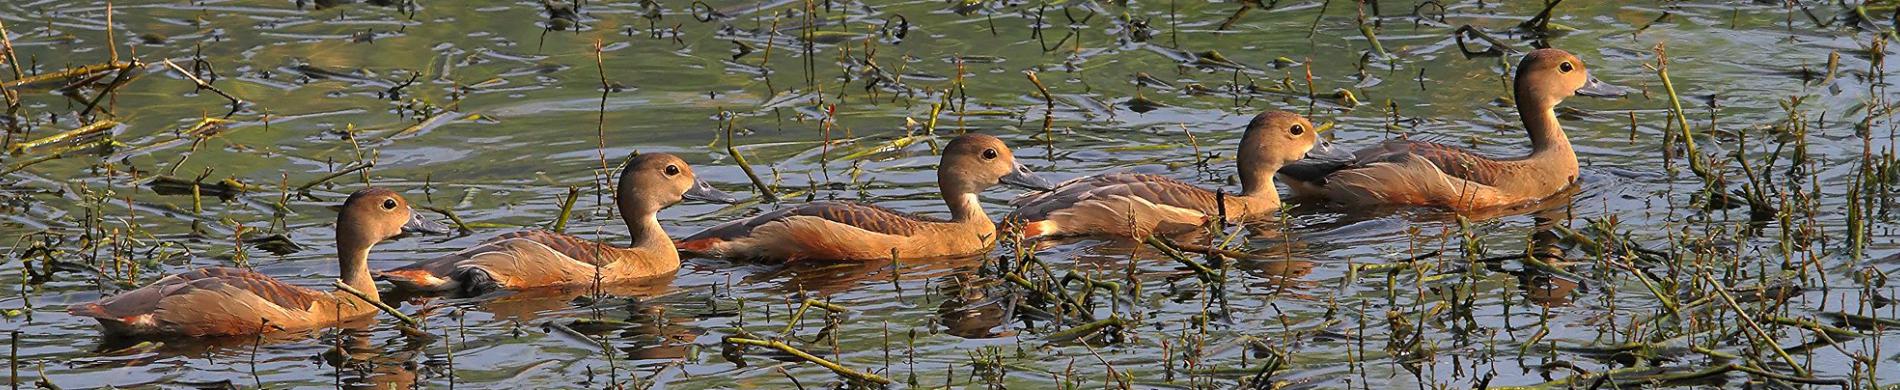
point(494, 110)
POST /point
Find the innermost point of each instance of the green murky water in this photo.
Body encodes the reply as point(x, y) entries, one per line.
point(494, 109)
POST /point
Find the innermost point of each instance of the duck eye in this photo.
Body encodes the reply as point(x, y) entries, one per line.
point(989, 154)
point(1566, 67)
point(672, 170)
point(389, 204)
point(1299, 129)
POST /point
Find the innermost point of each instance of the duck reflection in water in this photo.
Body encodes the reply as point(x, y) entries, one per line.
point(636, 315)
point(827, 278)
point(1539, 286)
point(347, 351)
point(972, 309)
point(1542, 287)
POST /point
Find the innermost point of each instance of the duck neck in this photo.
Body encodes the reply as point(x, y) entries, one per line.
point(646, 231)
point(1540, 120)
point(354, 268)
point(1257, 192)
point(964, 207)
point(1256, 179)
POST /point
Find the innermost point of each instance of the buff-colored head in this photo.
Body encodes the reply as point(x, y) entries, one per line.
point(372, 215)
point(975, 162)
point(1275, 138)
point(653, 181)
point(1550, 75)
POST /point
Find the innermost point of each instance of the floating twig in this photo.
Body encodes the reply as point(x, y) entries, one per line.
point(405, 318)
point(236, 103)
point(83, 71)
point(764, 191)
point(305, 188)
point(82, 131)
point(119, 80)
point(461, 226)
point(846, 372)
point(1497, 47)
point(1207, 274)
point(1084, 330)
point(808, 304)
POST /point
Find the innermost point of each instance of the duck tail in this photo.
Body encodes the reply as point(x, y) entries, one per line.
point(698, 246)
point(1039, 229)
point(90, 309)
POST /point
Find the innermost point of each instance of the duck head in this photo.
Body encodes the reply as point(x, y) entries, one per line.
point(653, 181)
point(1550, 75)
point(975, 162)
point(372, 215)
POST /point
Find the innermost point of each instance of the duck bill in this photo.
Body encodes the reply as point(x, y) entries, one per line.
point(706, 193)
point(1022, 177)
point(1598, 88)
point(417, 223)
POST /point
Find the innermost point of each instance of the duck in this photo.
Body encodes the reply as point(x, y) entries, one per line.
point(1415, 173)
point(849, 231)
point(222, 301)
point(1135, 206)
point(535, 259)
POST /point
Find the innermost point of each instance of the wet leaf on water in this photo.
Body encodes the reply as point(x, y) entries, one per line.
point(1142, 104)
point(227, 189)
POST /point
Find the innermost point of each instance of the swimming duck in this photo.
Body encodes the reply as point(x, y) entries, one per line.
point(1136, 205)
point(535, 259)
point(1404, 172)
point(859, 232)
point(229, 301)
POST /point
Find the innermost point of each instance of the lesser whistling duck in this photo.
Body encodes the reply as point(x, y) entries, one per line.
point(229, 301)
point(1136, 205)
point(848, 231)
point(535, 259)
point(1414, 173)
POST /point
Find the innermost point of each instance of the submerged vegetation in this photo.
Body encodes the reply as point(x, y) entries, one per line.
point(1734, 223)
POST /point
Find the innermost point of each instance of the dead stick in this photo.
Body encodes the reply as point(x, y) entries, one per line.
point(88, 129)
point(112, 45)
point(235, 102)
point(406, 319)
point(1207, 274)
point(459, 224)
point(567, 209)
point(794, 351)
point(808, 304)
point(68, 73)
point(305, 188)
point(6, 43)
point(1765, 338)
point(117, 81)
point(764, 191)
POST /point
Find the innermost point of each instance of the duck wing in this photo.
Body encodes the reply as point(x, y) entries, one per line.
point(1156, 189)
point(587, 252)
point(212, 284)
point(1451, 160)
point(863, 216)
point(524, 254)
point(1076, 187)
point(1324, 160)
